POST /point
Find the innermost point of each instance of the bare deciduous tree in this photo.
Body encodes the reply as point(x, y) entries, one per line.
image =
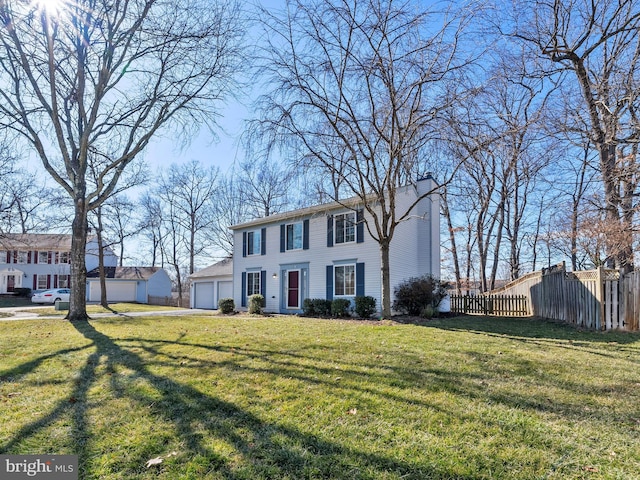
point(187, 197)
point(366, 77)
point(88, 76)
point(596, 45)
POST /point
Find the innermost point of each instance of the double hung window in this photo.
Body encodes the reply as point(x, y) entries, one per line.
point(344, 280)
point(254, 242)
point(294, 233)
point(345, 228)
point(253, 283)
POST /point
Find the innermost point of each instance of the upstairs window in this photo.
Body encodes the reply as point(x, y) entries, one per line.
point(43, 257)
point(3, 257)
point(345, 228)
point(22, 257)
point(254, 242)
point(64, 257)
point(294, 236)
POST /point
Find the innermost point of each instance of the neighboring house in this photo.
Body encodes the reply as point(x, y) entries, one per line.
point(326, 252)
point(129, 284)
point(41, 261)
point(211, 284)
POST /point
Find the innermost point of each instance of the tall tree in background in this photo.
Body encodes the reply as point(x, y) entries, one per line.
point(266, 186)
point(366, 77)
point(596, 44)
point(87, 76)
point(188, 197)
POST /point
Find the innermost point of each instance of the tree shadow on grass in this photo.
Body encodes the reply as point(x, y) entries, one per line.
point(262, 449)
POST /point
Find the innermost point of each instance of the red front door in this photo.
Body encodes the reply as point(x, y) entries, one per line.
point(293, 289)
point(11, 283)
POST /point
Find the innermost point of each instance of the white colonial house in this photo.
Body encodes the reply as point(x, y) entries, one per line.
point(41, 261)
point(325, 251)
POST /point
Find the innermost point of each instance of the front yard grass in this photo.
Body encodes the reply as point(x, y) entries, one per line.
point(47, 311)
point(212, 397)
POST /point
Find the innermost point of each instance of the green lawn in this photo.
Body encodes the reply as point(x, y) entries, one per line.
point(47, 311)
point(214, 397)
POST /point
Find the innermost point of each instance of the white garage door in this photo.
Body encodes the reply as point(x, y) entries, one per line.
point(204, 295)
point(225, 290)
point(121, 291)
point(116, 291)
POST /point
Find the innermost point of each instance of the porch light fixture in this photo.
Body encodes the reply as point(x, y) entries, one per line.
point(275, 275)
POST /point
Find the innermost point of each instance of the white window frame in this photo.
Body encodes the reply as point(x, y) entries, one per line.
point(64, 257)
point(252, 283)
point(293, 227)
point(63, 281)
point(42, 278)
point(3, 257)
point(347, 290)
point(254, 247)
point(344, 228)
point(22, 257)
point(41, 255)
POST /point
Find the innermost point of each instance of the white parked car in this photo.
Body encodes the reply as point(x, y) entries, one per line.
point(50, 296)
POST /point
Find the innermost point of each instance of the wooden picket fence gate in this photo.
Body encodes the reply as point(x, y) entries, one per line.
point(500, 305)
point(600, 299)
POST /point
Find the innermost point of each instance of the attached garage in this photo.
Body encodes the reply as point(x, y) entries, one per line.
point(204, 293)
point(211, 284)
point(225, 290)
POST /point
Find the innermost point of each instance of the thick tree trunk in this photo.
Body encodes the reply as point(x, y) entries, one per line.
point(78, 297)
point(386, 278)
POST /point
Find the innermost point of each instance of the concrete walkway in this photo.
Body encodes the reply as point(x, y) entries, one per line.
point(22, 313)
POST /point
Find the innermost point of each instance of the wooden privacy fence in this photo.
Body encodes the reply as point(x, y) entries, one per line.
point(599, 299)
point(503, 305)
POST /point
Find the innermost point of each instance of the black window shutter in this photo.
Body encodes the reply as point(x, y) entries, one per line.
point(329, 230)
point(243, 300)
point(282, 237)
point(244, 244)
point(329, 282)
point(263, 287)
point(360, 279)
point(305, 235)
point(263, 241)
point(360, 226)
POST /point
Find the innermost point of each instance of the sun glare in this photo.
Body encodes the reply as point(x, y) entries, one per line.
point(50, 6)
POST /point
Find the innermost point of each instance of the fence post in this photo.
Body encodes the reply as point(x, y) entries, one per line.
point(600, 297)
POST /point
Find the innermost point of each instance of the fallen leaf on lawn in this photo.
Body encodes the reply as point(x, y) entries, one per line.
point(591, 469)
point(13, 394)
point(353, 411)
point(154, 461)
point(172, 454)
